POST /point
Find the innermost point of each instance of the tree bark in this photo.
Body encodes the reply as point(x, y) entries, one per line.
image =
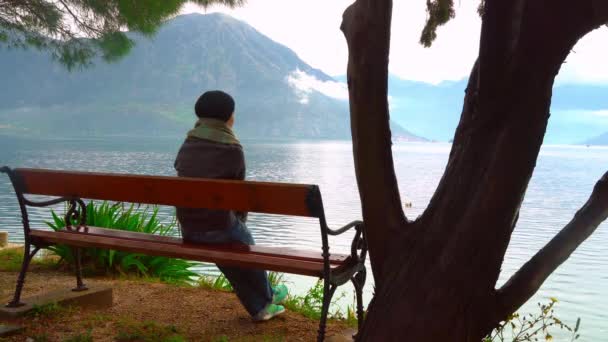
point(436, 280)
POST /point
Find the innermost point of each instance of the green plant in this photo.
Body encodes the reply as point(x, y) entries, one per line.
point(219, 283)
point(276, 278)
point(147, 332)
point(310, 305)
point(351, 316)
point(132, 219)
point(533, 327)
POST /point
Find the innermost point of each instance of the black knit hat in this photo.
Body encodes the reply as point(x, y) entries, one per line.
point(214, 104)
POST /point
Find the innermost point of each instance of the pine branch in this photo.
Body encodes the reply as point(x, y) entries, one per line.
point(532, 275)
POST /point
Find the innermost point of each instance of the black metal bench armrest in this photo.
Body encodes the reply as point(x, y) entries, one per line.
point(345, 228)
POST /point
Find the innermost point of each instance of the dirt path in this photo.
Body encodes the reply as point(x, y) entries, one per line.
point(147, 311)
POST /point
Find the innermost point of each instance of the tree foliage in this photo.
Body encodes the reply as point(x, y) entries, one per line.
point(76, 31)
point(439, 12)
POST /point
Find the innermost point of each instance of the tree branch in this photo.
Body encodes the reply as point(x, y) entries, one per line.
point(600, 11)
point(366, 25)
point(532, 275)
point(81, 22)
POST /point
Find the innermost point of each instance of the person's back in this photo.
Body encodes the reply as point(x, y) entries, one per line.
point(211, 150)
point(207, 159)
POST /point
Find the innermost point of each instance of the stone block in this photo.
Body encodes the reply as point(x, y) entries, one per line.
point(94, 297)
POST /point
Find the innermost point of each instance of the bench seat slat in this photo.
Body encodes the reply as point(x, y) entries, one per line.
point(184, 251)
point(283, 252)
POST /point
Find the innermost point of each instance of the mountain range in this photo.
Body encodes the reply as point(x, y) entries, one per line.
point(599, 140)
point(153, 89)
point(578, 111)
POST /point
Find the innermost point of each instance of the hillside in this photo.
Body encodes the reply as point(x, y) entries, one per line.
point(152, 91)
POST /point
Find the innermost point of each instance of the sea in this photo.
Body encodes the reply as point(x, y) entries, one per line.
point(562, 182)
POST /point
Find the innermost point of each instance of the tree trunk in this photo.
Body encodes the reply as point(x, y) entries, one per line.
point(435, 280)
point(370, 124)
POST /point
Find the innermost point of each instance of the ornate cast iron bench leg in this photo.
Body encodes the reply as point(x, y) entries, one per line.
point(358, 282)
point(27, 258)
point(80, 286)
point(328, 293)
point(353, 271)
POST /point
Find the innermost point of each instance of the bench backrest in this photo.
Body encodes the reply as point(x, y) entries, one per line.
point(262, 197)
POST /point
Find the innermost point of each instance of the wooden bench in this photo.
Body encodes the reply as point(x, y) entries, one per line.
point(262, 197)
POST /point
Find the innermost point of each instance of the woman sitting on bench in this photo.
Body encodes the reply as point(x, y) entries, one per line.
point(211, 150)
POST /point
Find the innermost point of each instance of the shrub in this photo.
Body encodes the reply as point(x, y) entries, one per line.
point(119, 217)
point(533, 327)
point(310, 305)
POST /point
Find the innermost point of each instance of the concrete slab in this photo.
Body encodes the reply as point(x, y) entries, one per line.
point(10, 330)
point(94, 297)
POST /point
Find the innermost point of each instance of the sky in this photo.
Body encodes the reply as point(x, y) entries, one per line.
point(312, 29)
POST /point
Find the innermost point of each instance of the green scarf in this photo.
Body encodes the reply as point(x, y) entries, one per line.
point(214, 130)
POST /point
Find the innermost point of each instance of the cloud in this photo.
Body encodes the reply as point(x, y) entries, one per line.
point(304, 84)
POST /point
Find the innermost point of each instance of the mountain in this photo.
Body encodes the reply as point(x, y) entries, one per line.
point(430, 110)
point(152, 91)
point(433, 111)
point(599, 140)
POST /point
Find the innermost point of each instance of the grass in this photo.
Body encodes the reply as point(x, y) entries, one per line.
point(127, 218)
point(51, 310)
point(81, 337)
point(147, 332)
point(219, 283)
point(46, 310)
point(12, 258)
point(309, 305)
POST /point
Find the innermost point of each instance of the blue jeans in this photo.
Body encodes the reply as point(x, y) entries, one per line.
point(251, 286)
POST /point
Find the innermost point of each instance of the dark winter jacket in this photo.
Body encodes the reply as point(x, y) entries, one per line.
point(208, 159)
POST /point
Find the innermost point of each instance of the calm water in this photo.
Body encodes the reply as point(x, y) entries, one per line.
point(562, 182)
